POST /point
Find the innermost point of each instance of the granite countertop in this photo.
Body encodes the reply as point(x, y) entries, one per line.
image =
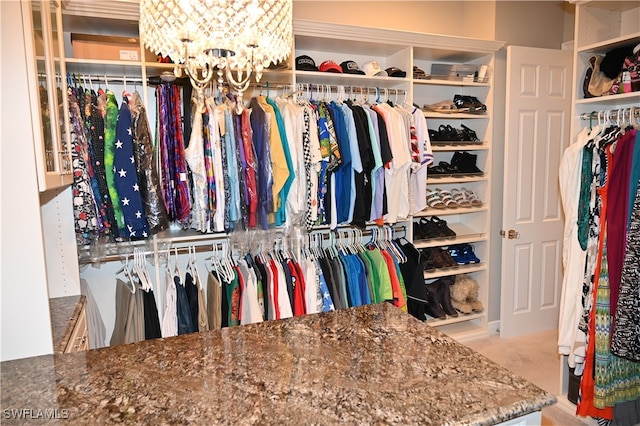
point(368, 365)
point(64, 315)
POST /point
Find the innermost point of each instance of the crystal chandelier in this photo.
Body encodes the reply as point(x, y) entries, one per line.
point(235, 38)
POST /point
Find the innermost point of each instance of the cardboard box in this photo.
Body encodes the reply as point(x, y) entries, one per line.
point(111, 48)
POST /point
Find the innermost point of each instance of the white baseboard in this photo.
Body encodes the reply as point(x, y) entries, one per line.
point(494, 328)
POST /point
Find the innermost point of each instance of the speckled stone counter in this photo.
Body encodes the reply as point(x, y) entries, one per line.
point(367, 365)
point(64, 315)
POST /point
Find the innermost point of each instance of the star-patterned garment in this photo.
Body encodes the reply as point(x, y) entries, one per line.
point(110, 123)
point(126, 178)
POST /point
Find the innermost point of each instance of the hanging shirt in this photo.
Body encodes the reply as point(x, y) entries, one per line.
point(250, 308)
point(170, 318)
point(110, 123)
point(194, 156)
point(260, 130)
point(250, 171)
point(573, 256)
point(418, 188)
point(397, 175)
point(292, 116)
point(231, 169)
point(126, 178)
point(84, 209)
point(284, 140)
point(279, 163)
point(146, 168)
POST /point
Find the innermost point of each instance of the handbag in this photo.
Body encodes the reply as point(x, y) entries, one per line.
point(596, 83)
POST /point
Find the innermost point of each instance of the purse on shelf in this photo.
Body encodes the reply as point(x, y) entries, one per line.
point(596, 83)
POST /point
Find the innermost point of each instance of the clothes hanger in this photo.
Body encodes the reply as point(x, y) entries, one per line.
point(194, 266)
point(177, 269)
point(127, 273)
point(140, 269)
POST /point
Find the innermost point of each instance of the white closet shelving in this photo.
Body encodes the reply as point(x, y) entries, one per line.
point(471, 224)
point(326, 41)
point(600, 26)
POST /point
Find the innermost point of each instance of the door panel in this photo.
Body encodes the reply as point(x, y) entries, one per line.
point(537, 132)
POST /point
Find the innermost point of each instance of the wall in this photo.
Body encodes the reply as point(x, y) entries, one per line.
point(25, 323)
point(466, 19)
point(531, 23)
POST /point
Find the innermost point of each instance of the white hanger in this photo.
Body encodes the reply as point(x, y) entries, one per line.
point(177, 270)
point(194, 267)
point(140, 270)
point(127, 273)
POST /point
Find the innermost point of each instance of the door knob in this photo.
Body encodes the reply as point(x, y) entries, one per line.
point(512, 234)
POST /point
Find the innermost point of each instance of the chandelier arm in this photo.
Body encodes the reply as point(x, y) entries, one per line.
point(195, 80)
point(240, 85)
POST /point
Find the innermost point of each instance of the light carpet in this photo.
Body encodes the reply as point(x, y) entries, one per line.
point(535, 358)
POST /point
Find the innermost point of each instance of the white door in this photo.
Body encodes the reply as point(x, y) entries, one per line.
point(537, 132)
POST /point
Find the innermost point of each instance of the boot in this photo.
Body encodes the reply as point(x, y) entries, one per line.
point(468, 163)
point(457, 160)
point(444, 295)
point(433, 308)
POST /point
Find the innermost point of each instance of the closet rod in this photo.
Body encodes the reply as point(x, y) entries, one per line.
point(199, 247)
point(206, 245)
point(365, 232)
point(316, 87)
point(613, 113)
point(80, 78)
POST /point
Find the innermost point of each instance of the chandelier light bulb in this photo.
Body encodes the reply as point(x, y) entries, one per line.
point(234, 36)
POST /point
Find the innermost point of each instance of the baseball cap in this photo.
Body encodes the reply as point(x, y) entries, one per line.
point(372, 68)
point(306, 63)
point(395, 72)
point(330, 66)
point(351, 67)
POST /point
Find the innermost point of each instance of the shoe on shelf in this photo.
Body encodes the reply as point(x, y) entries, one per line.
point(418, 232)
point(472, 197)
point(466, 162)
point(442, 106)
point(469, 104)
point(434, 201)
point(469, 135)
point(469, 255)
point(448, 169)
point(445, 259)
point(458, 254)
point(443, 228)
point(447, 199)
point(433, 308)
point(441, 287)
point(460, 197)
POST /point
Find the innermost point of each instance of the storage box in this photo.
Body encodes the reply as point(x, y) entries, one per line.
point(111, 48)
point(453, 71)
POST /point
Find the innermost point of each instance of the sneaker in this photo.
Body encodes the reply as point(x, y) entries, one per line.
point(469, 255)
point(469, 104)
point(458, 254)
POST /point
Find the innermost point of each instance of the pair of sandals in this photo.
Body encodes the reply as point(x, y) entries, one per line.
point(433, 227)
point(449, 133)
point(443, 199)
point(444, 169)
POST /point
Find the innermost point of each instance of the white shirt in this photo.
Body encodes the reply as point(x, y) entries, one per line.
point(170, 318)
point(573, 257)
